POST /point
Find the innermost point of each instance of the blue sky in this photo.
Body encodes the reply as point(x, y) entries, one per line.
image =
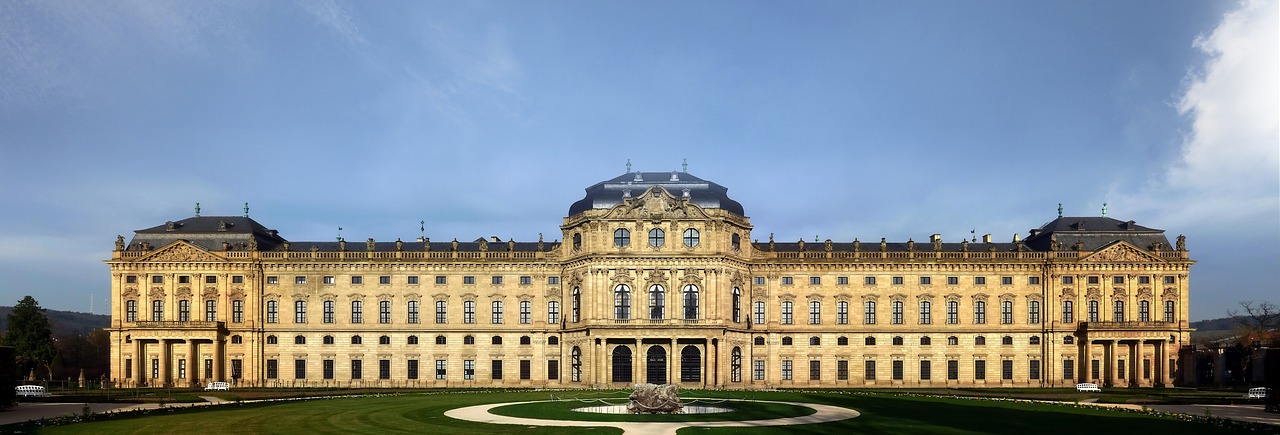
point(830, 119)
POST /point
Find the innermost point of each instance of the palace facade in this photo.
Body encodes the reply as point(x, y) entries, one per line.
point(658, 280)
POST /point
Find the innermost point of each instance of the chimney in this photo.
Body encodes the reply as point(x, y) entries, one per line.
point(935, 238)
point(495, 239)
point(986, 238)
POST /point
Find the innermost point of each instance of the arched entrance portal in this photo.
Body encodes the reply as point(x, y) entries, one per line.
point(656, 366)
point(690, 364)
point(622, 364)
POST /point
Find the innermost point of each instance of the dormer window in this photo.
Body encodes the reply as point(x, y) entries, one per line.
point(690, 238)
point(621, 237)
point(657, 238)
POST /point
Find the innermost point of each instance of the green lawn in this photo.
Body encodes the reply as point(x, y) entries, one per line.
point(885, 412)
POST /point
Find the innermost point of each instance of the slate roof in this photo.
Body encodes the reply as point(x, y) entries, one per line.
point(1093, 233)
point(209, 233)
point(608, 193)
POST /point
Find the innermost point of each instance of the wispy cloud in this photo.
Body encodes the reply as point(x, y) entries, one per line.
point(334, 16)
point(1229, 171)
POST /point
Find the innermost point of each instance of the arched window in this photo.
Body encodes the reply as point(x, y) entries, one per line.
point(357, 311)
point(384, 339)
point(815, 341)
point(953, 340)
point(1035, 340)
point(655, 365)
point(786, 341)
point(553, 312)
point(897, 340)
point(1144, 311)
point(356, 339)
point(525, 340)
point(926, 341)
point(737, 305)
point(842, 341)
point(869, 313)
point(815, 313)
point(759, 341)
point(786, 312)
point(575, 364)
point(869, 341)
point(690, 238)
point(735, 363)
point(622, 364)
point(577, 241)
point(926, 312)
point(236, 339)
point(1068, 340)
point(468, 339)
point(735, 242)
point(413, 339)
point(299, 340)
point(497, 339)
point(1033, 312)
point(553, 340)
point(1117, 312)
point(953, 312)
point(577, 305)
point(897, 312)
point(1093, 311)
point(1006, 312)
point(690, 364)
point(412, 314)
point(271, 339)
point(622, 302)
point(690, 302)
point(1068, 312)
point(657, 302)
point(657, 238)
point(441, 340)
point(980, 341)
point(328, 339)
point(980, 312)
point(1006, 340)
point(621, 237)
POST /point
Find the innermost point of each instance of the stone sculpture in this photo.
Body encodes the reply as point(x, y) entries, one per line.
point(655, 399)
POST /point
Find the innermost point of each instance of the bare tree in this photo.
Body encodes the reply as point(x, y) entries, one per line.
point(1259, 322)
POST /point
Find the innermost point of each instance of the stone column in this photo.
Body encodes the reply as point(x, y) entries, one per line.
point(1108, 363)
point(1082, 361)
point(165, 369)
point(139, 363)
point(193, 359)
point(671, 364)
point(637, 373)
point(1134, 377)
point(217, 359)
point(1161, 371)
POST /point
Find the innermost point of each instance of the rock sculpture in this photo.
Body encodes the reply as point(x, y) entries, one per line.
point(655, 399)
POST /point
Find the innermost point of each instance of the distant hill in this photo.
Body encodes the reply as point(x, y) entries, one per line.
point(1219, 324)
point(64, 322)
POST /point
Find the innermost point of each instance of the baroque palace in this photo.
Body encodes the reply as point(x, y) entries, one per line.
point(657, 280)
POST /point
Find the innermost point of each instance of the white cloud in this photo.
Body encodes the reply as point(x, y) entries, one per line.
point(1229, 171)
point(335, 17)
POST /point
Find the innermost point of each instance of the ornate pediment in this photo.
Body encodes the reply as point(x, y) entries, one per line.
point(237, 293)
point(657, 276)
point(129, 293)
point(1120, 252)
point(183, 292)
point(1169, 292)
point(655, 203)
point(691, 277)
point(622, 276)
point(181, 251)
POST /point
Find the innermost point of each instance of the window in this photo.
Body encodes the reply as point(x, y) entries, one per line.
point(237, 311)
point(300, 369)
point(440, 339)
point(384, 312)
point(441, 280)
point(870, 280)
point(442, 368)
point(412, 369)
point(897, 370)
point(328, 339)
point(412, 313)
point(357, 280)
point(413, 339)
point(979, 280)
point(1117, 311)
point(553, 370)
point(735, 242)
point(526, 370)
point(131, 279)
point(1033, 312)
point(786, 312)
point(553, 280)
point(273, 369)
point(553, 312)
point(953, 280)
point(815, 313)
point(1068, 370)
point(757, 370)
point(468, 280)
point(926, 370)
point(815, 341)
point(926, 341)
point(897, 313)
point(786, 369)
point(327, 307)
point(1035, 340)
point(656, 238)
point(468, 340)
point(1068, 340)
point(329, 280)
point(299, 311)
point(1068, 312)
point(327, 369)
point(1006, 340)
point(926, 316)
point(526, 312)
point(869, 370)
point(577, 241)
point(1168, 311)
point(690, 238)
point(496, 314)
point(690, 302)
point(842, 312)
point(786, 280)
point(357, 312)
point(526, 280)
point(842, 280)
point(271, 280)
point(815, 370)
point(157, 310)
point(980, 312)
point(495, 369)
point(1068, 280)
point(184, 280)
point(1170, 279)
point(384, 369)
point(553, 340)
point(979, 341)
point(211, 310)
point(237, 279)
point(356, 339)
point(1033, 280)
point(953, 312)
point(495, 280)
point(897, 340)
point(496, 340)
point(786, 341)
point(925, 280)
point(299, 280)
point(469, 312)
point(979, 370)
point(1006, 312)
point(384, 340)
point(815, 280)
point(657, 302)
point(525, 340)
point(758, 312)
point(621, 237)
point(412, 280)
point(184, 310)
point(1093, 311)
point(575, 364)
point(869, 313)
point(953, 340)
point(897, 280)
point(842, 341)
point(576, 308)
point(953, 370)
point(1006, 280)
point(869, 341)
point(357, 369)
point(271, 339)
point(759, 280)
point(1092, 280)
point(442, 312)
point(737, 305)
point(621, 302)
point(384, 280)
point(1144, 311)
point(1117, 280)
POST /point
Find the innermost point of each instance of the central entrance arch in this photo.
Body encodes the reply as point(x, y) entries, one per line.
point(656, 365)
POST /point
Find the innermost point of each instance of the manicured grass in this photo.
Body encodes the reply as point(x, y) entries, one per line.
point(563, 410)
point(882, 412)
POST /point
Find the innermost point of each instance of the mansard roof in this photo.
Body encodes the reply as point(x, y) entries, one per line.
point(208, 232)
point(608, 193)
point(1093, 233)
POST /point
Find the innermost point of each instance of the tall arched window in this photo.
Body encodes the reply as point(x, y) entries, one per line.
point(577, 241)
point(621, 237)
point(735, 242)
point(622, 364)
point(690, 302)
point(815, 313)
point(657, 302)
point(735, 364)
point(1033, 312)
point(690, 364)
point(1144, 311)
point(980, 312)
point(656, 238)
point(1117, 311)
point(737, 305)
point(1093, 311)
point(577, 305)
point(622, 302)
point(690, 238)
point(1006, 312)
point(575, 364)
point(953, 312)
